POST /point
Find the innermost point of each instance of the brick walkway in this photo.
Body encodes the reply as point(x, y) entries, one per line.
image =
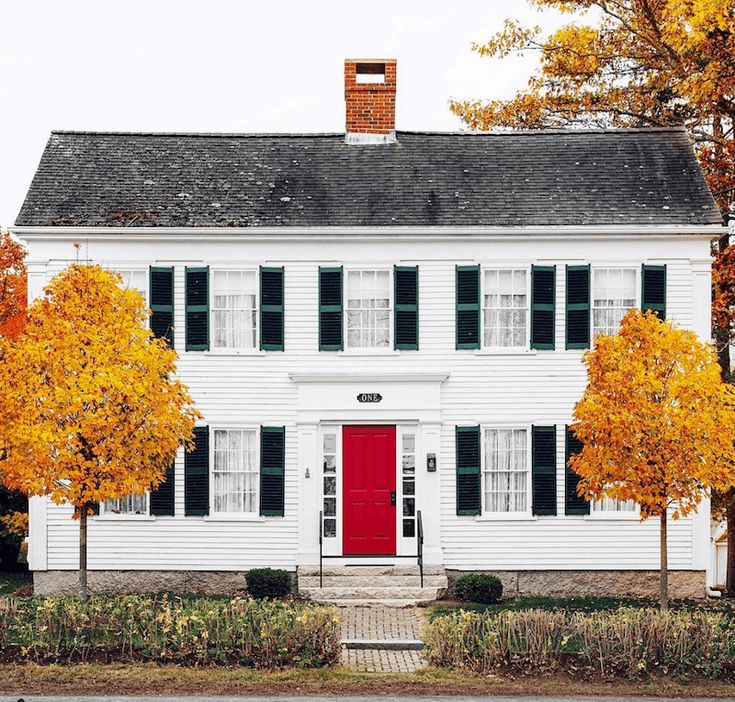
point(381, 624)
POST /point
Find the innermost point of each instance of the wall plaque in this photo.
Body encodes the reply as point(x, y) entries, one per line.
point(369, 397)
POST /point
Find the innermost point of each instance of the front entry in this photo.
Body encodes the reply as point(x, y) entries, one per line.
point(369, 491)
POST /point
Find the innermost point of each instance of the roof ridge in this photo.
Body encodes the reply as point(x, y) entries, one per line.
point(295, 135)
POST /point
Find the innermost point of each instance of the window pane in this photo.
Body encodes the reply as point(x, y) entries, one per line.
point(505, 308)
point(506, 470)
point(234, 311)
point(235, 471)
point(330, 485)
point(330, 528)
point(368, 309)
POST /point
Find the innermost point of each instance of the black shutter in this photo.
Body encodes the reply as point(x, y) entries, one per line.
point(573, 503)
point(161, 288)
point(653, 297)
point(543, 301)
point(271, 309)
point(162, 498)
point(406, 286)
point(196, 475)
point(543, 462)
point(578, 307)
point(468, 307)
point(197, 309)
point(272, 471)
point(330, 309)
point(468, 471)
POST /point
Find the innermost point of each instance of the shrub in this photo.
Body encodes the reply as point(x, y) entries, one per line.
point(266, 583)
point(478, 587)
point(184, 631)
point(631, 642)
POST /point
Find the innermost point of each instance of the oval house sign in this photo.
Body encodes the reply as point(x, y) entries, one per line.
point(369, 397)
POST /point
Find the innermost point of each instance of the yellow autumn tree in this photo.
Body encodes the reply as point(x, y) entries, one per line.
point(656, 421)
point(90, 408)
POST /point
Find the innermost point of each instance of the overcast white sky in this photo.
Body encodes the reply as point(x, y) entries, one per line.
point(230, 66)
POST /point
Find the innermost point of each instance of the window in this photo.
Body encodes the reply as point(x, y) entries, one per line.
point(613, 294)
point(234, 309)
point(130, 504)
point(368, 309)
point(408, 484)
point(611, 504)
point(136, 279)
point(506, 470)
point(235, 475)
point(329, 484)
point(505, 307)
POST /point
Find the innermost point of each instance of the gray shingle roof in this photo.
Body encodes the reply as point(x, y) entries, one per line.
point(554, 177)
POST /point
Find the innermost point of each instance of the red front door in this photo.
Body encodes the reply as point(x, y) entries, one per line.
point(369, 480)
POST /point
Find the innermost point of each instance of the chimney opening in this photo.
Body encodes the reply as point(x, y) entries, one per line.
point(370, 73)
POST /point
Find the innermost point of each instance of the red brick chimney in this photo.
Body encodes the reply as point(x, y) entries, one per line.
point(370, 100)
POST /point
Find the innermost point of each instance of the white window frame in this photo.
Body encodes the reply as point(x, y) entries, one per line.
point(505, 266)
point(600, 513)
point(109, 514)
point(235, 516)
point(238, 350)
point(407, 544)
point(594, 269)
point(145, 291)
point(528, 512)
point(332, 545)
point(368, 350)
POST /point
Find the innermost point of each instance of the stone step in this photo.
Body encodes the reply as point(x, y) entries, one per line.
point(383, 644)
point(372, 602)
point(335, 594)
point(354, 580)
point(359, 570)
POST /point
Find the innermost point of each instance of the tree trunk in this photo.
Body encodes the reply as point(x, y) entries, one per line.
point(730, 512)
point(83, 593)
point(664, 590)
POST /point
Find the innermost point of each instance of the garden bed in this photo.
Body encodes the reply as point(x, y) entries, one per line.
point(186, 631)
point(635, 643)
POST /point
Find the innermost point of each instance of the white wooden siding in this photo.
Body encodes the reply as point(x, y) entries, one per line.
point(255, 388)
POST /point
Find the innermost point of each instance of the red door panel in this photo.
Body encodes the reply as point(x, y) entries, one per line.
point(369, 479)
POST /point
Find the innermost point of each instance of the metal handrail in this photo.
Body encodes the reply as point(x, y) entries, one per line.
point(419, 548)
point(420, 545)
point(321, 536)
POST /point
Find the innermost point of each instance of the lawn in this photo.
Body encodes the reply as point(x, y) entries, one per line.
point(11, 583)
point(576, 604)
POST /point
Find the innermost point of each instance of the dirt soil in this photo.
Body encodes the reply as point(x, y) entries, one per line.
point(151, 680)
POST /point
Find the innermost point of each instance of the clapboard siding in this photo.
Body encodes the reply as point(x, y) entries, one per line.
point(255, 389)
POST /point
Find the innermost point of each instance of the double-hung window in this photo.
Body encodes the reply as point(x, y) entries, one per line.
point(236, 472)
point(130, 504)
point(234, 309)
point(507, 472)
point(368, 309)
point(614, 292)
point(505, 300)
point(136, 279)
point(612, 505)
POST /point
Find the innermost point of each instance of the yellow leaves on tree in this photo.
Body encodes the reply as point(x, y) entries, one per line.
point(12, 286)
point(89, 405)
point(656, 421)
point(90, 408)
point(626, 63)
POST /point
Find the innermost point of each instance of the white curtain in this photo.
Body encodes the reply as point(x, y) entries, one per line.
point(505, 308)
point(235, 471)
point(234, 312)
point(506, 470)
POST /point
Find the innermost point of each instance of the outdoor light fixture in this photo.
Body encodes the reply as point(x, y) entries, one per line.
point(431, 462)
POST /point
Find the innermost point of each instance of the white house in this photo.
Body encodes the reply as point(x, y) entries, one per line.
point(383, 330)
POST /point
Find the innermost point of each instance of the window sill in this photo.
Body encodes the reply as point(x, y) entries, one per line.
point(369, 352)
point(614, 517)
point(231, 352)
point(506, 352)
point(506, 517)
point(125, 518)
point(234, 518)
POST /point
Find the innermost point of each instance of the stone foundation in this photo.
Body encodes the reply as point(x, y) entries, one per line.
point(595, 583)
point(116, 582)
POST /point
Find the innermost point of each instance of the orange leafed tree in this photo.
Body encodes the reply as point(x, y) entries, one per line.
point(90, 408)
point(12, 285)
point(656, 421)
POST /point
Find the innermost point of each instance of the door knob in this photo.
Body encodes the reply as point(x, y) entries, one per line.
point(393, 498)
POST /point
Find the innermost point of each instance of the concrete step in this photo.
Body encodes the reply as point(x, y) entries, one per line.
point(398, 604)
point(355, 580)
point(358, 570)
point(383, 644)
point(363, 594)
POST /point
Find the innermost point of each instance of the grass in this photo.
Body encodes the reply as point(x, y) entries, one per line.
point(151, 680)
point(10, 583)
point(576, 604)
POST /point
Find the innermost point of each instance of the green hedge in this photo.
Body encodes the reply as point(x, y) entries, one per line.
point(187, 631)
point(630, 642)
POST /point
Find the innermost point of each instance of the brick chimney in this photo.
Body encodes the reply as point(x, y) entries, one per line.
point(370, 101)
